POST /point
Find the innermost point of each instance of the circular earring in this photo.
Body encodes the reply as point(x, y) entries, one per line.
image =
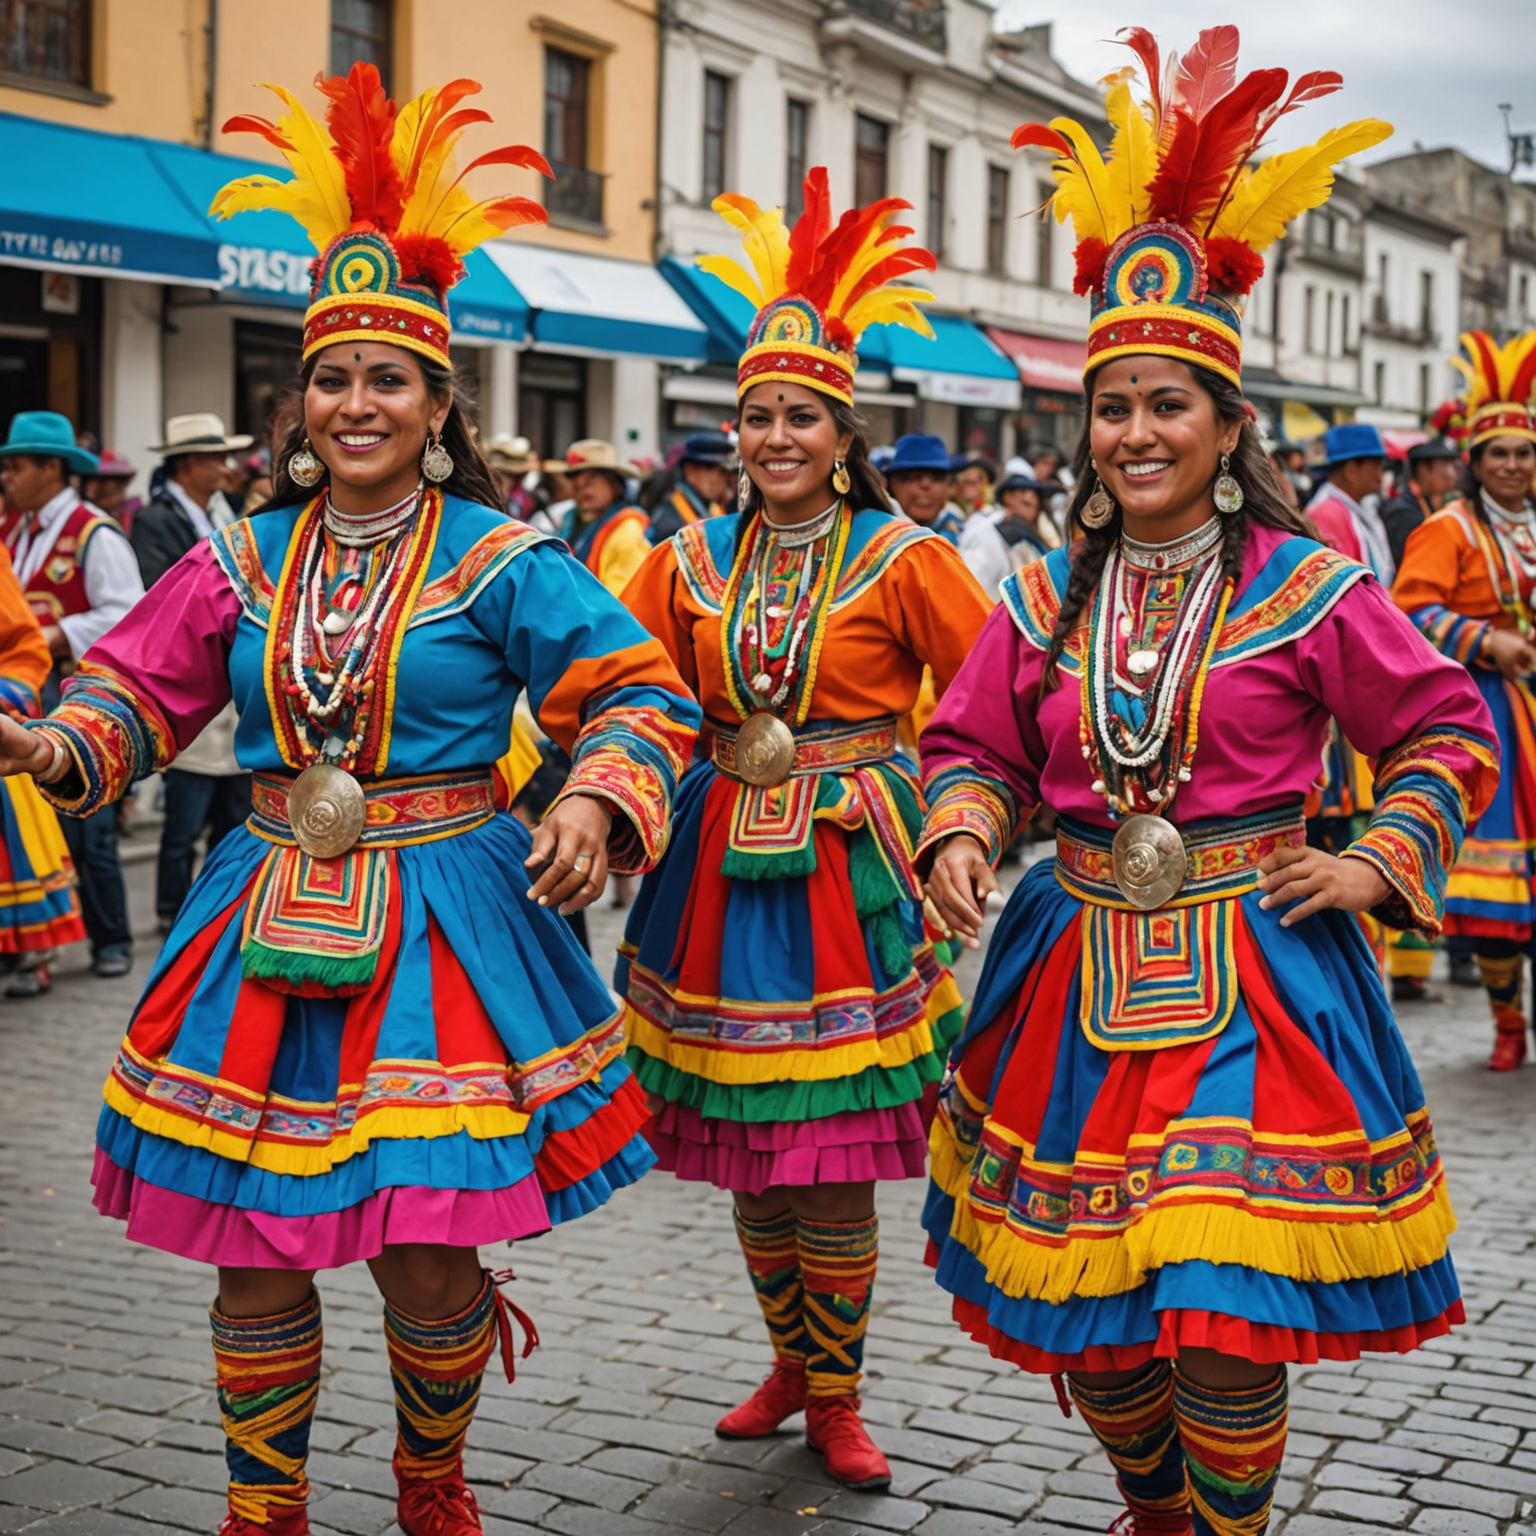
point(743, 487)
point(841, 482)
point(1227, 493)
point(304, 467)
point(1100, 506)
point(436, 461)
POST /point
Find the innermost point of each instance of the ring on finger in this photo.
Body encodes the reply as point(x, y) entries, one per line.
point(581, 861)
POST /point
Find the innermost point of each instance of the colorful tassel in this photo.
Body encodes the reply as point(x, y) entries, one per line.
point(1234, 1443)
point(772, 1252)
point(837, 1270)
point(437, 1368)
point(269, 1378)
point(1136, 1426)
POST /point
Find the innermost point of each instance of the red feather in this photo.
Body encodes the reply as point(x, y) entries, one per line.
point(428, 259)
point(361, 119)
point(1092, 253)
point(433, 122)
point(1046, 138)
point(1233, 267)
point(1201, 159)
point(1524, 383)
point(811, 228)
point(248, 122)
point(511, 154)
point(897, 264)
point(1207, 72)
point(854, 229)
point(1144, 46)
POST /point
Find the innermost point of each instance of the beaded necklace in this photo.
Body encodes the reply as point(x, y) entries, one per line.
point(1138, 727)
point(774, 617)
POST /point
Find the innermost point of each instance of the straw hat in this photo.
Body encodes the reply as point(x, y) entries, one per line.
point(201, 432)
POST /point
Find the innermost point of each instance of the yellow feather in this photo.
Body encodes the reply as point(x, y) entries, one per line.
point(1511, 356)
point(878, 244)
point(1132, 157)
point(433, 205)
point(1267, 199)
point(1082, 185)
point(733, 275)
point(296, 198)
point(764, 238)
point(890, 305)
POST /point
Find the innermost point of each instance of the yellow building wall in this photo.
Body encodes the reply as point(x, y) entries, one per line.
point(150, 60)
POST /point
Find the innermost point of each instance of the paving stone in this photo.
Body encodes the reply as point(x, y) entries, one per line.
point(1456, 1495)
point(1087, 1514)
point(1454, 1522)
point(1371, 1508)
point(183, 1507)
point(59, 1485)
point(977, 1493)
point(586, 1485)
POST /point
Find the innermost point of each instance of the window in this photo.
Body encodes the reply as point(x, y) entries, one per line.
point(797, 156)
point(361, 30)
point(872, 145)
point(1345, 345)
point(1309, 319)
point(717, 107)
point(1424, 389)
point(1328, 325)
point(1044, 248)
point(1379, 383)
point(1383, 272)
point(577, 190)
point(938, 186)
point(997, 218)
point(1427, 303)
point(47, 39)
point(1525, 294)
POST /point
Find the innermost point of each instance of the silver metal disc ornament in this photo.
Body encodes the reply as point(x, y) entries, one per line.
point(765, 750)
point(327, 810)
point(1150, 862)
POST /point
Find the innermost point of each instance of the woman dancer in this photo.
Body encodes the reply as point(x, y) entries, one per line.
point(1182, 1142)
point(369, 1034)
point(1467, 579)
point(785, 1010)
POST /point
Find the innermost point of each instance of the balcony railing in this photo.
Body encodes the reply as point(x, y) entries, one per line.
point(922, 20)
point(575, 194)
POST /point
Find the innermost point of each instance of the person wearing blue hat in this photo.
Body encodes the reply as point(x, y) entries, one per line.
point(703, 481)
point(80, 577)
point(1434, 467)
point(1013, 533)
point(918, 475)
point(1346, 509)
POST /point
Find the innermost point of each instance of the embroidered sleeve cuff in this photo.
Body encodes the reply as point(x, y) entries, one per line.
point(1457, 637)
point(112, 738)
point(962, 801)
point(18, 699)
point(632, 758)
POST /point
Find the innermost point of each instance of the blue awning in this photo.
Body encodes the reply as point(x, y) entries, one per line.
point(960, 363)
point(75, 200)
point(263, 258)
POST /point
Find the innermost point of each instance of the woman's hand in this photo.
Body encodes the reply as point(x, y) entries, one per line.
point(1317, 880)
point(570, 854)
point(21, 750)
point(1510, 652)
point(959, 884)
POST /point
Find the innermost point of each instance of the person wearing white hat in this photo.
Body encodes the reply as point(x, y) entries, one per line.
point(187, 504)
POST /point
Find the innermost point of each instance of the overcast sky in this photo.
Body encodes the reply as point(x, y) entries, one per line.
point(1435, 69)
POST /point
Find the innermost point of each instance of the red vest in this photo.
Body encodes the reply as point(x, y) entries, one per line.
point(57, 587)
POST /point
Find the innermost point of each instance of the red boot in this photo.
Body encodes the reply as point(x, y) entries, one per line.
point(1133, 1524)
point(284, 1522)
point(443, 1506)
point(1508, 1048)
point(782, 1394)
point(833, 1429)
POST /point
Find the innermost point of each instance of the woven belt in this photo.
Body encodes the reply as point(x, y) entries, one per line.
point(820, 747)
point(400, 811)
point(1223, 857)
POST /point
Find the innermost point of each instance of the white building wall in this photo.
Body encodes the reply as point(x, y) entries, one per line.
point(199, 359)
point(131, 373)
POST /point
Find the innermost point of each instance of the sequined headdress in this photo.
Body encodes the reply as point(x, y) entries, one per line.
point(1171, 228)
point(377, 193)
point(819, 286)
point(1500, 399)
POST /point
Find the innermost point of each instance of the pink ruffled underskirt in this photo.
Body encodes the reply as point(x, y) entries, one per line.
point(224, 1234)
point(849, 1148)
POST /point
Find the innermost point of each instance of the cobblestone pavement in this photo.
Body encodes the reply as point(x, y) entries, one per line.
point(108, 1425)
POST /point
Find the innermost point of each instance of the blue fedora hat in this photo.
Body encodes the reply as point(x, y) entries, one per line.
point(47, 435)
point(919, 450)
point(1018, 482)
point(706, 448)
point(1352, 440)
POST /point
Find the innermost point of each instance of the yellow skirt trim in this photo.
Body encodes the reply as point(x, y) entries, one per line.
point(485, 1122)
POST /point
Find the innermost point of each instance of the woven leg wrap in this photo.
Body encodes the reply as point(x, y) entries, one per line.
point(269, 1378)
point(1234, 1443)
point(1136, 1426)
point(1501, 977)
point(437, 1368)
point(837, 1269)
point(772, 1253)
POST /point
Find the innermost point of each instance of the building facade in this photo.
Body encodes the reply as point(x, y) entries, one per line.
point(94, 321)
point(908, 98)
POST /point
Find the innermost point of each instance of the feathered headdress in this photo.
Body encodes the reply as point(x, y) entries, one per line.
point(819, 286)
point(1171, 229)
point(1501, 387)
point(377, 193)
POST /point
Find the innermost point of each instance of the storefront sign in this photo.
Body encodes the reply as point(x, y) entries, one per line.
point(27, 246)
point(272, 277)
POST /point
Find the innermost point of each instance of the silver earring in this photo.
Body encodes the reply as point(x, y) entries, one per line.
point(436, 461)
point(743, 488)
point(1100, 506)
point(304, 467)
point(1227, 493)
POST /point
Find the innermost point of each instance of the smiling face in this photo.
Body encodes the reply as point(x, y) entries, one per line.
point(1157, 442)
point(1504, 470)
point(789, 442)
point(368, 412)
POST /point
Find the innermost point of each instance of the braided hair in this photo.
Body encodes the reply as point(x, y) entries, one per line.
point(1250, 467)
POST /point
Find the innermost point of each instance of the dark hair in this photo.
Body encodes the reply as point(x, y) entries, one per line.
point(1469, 486)
point(471, 477)
point(1262, 504)
point(867, 488)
